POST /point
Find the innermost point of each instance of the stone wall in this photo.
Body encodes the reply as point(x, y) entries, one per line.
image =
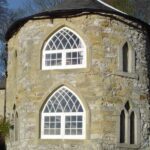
point(2, 98)
point(101, 86)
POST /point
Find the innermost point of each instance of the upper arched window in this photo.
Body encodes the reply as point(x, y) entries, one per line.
point(63, 116)
point(64, 49)
point(127, 59)
point(125, 53)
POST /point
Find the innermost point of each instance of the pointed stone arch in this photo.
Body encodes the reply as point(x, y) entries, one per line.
point(64, 49)
point(63, 106)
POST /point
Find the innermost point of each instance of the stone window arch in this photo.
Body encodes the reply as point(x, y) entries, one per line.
point(65, 49)
point(15, 125)
point(127, 59)
point(63, 116)
point(129, 133)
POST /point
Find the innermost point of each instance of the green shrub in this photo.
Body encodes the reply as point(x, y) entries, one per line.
point(4, 127)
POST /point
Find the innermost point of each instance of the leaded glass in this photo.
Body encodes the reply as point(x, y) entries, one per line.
point(62, 101)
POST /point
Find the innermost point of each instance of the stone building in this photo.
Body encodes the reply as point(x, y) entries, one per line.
point(78, 79)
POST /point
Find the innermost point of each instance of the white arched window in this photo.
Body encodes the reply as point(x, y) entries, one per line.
point(64, 50)
point(63, 116)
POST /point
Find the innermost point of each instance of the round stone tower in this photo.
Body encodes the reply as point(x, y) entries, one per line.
point(78, 79)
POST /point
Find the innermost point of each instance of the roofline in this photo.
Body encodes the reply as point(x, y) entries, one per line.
point(109, 6)
point(68, 14)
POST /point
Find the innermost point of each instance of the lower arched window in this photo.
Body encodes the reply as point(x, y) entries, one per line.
point(128, 126)
point(63, 116)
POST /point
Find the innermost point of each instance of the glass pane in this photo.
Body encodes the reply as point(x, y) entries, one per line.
point(53, 63)
point(64, 42)
point(47, 63)
point(47, 47)
point(46, 110)
point(79, 125)
point(52, 119)
point(57, 131)
point(46, 119)
point(79, 118)
point(73, 132)
point(58, 118)
point(73, 125)
point(67, 132)
point(46, 125)
point(68, 46)
point(67, 125)
point(80, 61)
point(59, 55)
point(48, 56)
point(58, 125)
point(67, 109)
point(68, 118)
point(79, 131)
point(74, 54)
point(80, 54)
point(52, 125)
point(46, 131)
point(68, 62)
point(52, 131)
point(53, 56)
point(68, 55)
point(70, 104)
point(73, 118)
point(74, 61)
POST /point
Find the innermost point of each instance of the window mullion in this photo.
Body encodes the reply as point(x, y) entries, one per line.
point(63, 58)
point(62, 125)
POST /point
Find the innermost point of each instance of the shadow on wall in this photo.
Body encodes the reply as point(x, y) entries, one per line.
point(2, 144)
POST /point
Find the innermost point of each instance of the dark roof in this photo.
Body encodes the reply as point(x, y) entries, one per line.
point(70, 8)
point(81, 4)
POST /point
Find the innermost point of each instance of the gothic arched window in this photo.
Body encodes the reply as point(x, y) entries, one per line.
point(64, 50)
point(128, 121)
point(126, 59)
point(122, 127)
point(125, 53)
point(132, 128)
point(63, 116)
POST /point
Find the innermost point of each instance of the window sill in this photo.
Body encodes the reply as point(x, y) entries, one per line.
point(127, 74)
point(61, 141)
point(130, 146)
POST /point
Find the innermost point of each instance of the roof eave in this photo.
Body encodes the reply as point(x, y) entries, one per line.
point(66, 14)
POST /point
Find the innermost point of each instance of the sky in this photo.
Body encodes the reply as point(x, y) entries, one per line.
point(14, 4)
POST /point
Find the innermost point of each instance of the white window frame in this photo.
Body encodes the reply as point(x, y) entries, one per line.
point(64, 52)
point(63, 115)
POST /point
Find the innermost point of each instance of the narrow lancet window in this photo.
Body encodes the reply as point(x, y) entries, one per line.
point(128, 128)
point(125, 53)
point(132, 128)
point(122, 127)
